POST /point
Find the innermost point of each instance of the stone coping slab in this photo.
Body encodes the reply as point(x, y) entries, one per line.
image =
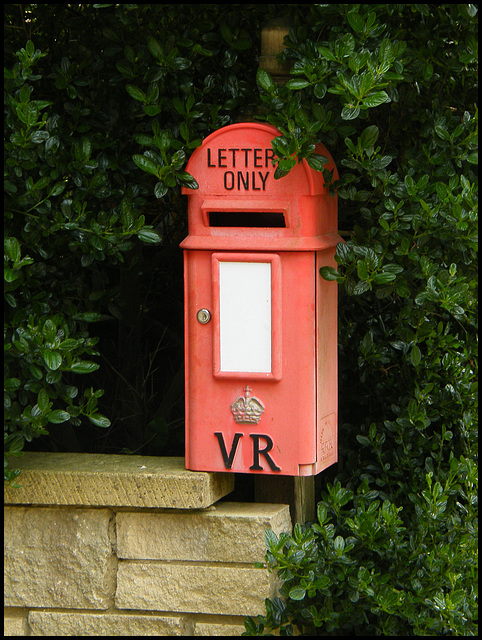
point(91, 479)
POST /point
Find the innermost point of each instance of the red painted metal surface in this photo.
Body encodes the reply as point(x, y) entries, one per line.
point(261, 383)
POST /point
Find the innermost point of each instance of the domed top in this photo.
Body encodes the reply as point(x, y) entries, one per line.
point(239, 204)
point(237, 160)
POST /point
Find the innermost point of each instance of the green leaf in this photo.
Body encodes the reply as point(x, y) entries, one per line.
point(179, 64)
point(142, 139)
point(361, 287)
point(473, 158)
point(84, 366)
point(385, 54)
point(329, 273)
point(321, 513)
point(270, 539)
point(264, 80)
point(152, 110)
point(375, 99)
point(442, 132)
point(163, 140)
point(10, 275)
point(392, 268)
point(30, 48)
point(11, 384)
point(415, 355)
point(99, 420)
point(339, 544)
point(49, 330)
point(154, 47)
point(57, 189)
point(187, 180)
point(43, 400)
point(12, 249)
point(362, 269)
point(36, 372)
point(89, 316)
point(160, 189)
point(320, 90)
point(280, 146)
point(178, 159)
point(52, 359)
point(58, 416)
point(69, 344)
point(368, 137)
point(38, 137)
point(136, 93)
point(357, 23)
point(297, 593)
point(28, 113)
point(350, 112)
point(297, 83)
point(344, 45)
point(146, 164)
point(149, 235)
point(284, 167)
point(326, 53)
point(383, 278)
point(86, 148)
point(317, 161)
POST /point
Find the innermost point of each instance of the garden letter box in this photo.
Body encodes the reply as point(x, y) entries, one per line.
point(260, 321)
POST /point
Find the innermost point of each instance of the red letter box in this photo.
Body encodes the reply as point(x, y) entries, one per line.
point(260, 321)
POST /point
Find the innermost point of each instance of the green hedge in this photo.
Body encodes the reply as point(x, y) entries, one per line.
point(392, 91)
point(103, 106)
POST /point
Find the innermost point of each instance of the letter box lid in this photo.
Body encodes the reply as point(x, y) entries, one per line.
point(240, 205)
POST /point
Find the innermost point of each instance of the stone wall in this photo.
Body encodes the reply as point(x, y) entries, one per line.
point(129, 545)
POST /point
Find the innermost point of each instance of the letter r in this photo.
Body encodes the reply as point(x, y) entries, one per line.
point(264, 452)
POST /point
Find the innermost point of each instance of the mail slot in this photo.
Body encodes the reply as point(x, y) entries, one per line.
point(260, 321)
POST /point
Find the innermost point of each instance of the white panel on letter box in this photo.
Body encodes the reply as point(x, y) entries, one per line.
point(245, 316)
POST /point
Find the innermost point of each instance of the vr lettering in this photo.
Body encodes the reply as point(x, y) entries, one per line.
point(228, 459)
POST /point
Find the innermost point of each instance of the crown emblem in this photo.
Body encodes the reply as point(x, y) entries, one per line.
point(247, 410)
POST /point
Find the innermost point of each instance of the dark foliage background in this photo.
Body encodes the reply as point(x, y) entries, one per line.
point(102, 113)
point(103, 106)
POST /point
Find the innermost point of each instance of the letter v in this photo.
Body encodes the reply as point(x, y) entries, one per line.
point(228, 460)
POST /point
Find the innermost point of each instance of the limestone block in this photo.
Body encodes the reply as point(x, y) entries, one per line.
point(227, 532)
point(193, 588)
point(114, 480)
point(62, 623)
point(15, 622)
point(221, 626)
point(59, 557)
